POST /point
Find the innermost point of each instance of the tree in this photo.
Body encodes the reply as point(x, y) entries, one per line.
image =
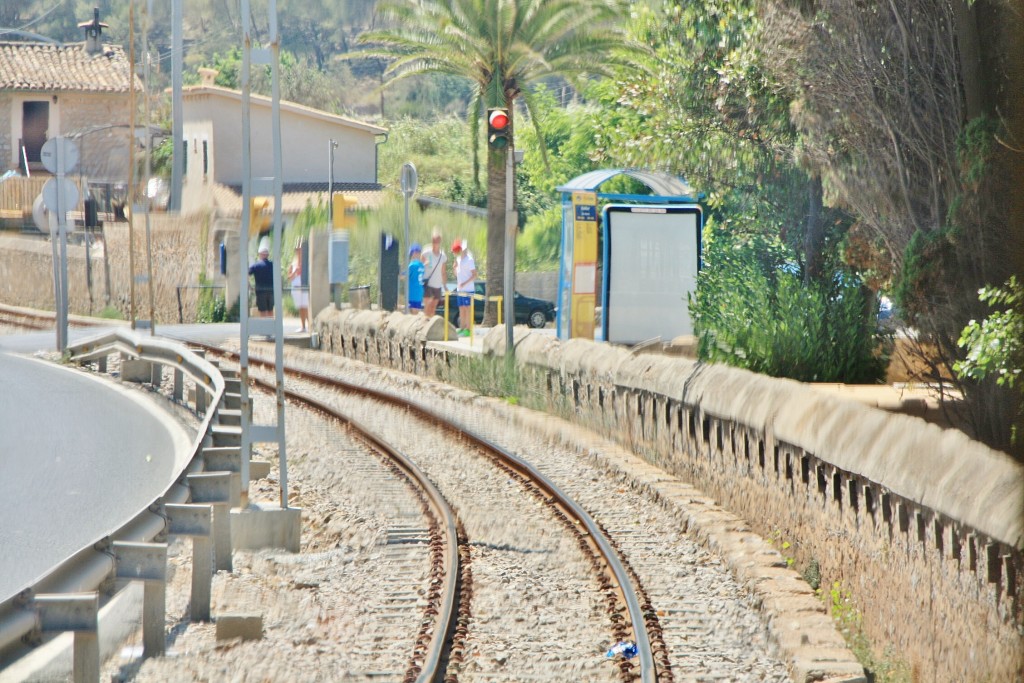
point(705, 107)
point(502, 47)
point(995, 346)
point(915, 124)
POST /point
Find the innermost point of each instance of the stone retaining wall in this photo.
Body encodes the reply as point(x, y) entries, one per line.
point(922, 526)
point(26, 269)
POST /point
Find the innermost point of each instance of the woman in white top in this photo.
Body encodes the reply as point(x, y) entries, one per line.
point(433, 274)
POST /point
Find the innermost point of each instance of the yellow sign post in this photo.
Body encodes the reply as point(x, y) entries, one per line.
point(584, 264)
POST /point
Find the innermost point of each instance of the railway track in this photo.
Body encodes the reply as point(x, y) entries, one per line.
point(708, 627)
point(15, 318)
point(626, 614)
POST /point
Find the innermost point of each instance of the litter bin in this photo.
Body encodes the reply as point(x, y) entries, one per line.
point(359, 297)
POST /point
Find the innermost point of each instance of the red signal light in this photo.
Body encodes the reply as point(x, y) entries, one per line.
point(498, 128)
point(498, 119)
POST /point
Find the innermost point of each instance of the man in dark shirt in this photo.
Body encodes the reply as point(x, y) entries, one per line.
point(263, 274)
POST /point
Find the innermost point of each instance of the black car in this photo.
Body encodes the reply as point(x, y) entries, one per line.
point(533, 312)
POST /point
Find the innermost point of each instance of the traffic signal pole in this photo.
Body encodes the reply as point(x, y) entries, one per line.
point(511, 225)
point(499, 138)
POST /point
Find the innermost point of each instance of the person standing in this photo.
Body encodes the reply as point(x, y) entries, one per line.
point(465, 283)
point(262, 273)
point(415, 293)
point(433, 274)
point(300, 295)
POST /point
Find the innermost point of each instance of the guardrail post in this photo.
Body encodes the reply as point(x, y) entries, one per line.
point(215, 488)
point(77, 612)
point(226, 459)
point(196, 521)
point(147, 562)
point(179, 384)
point(200, 398)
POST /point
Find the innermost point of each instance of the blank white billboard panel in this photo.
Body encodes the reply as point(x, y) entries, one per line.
point(652, 255)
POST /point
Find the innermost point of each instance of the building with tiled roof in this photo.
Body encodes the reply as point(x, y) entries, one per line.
point(80, 90)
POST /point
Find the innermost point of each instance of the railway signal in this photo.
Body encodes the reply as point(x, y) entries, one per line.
point(497, 127)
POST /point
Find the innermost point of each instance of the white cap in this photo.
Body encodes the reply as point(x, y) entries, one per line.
point(264, 246)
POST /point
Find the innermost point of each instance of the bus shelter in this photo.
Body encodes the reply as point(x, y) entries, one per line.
point(664, 224)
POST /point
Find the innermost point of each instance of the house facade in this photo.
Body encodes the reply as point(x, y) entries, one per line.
point(213, 174)
point(81, 91)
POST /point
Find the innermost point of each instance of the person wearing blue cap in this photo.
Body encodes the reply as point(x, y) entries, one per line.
point(415, 298)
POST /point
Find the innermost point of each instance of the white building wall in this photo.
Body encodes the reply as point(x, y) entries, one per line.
point(305, 136)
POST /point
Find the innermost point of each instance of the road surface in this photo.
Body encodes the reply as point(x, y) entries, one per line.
point(79, 457)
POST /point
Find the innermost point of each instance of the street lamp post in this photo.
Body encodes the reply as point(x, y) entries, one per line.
point(333, 145)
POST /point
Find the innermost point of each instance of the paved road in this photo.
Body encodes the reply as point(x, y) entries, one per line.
point(78, 458)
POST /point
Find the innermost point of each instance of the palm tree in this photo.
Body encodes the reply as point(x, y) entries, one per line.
point(503, 46)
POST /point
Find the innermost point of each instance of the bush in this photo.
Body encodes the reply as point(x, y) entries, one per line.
point(751, 313)
point(111, 313)
point(211, 307)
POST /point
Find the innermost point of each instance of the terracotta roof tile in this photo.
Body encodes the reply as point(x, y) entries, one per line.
point(44, 66)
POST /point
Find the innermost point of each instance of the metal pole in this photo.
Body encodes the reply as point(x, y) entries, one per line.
point(177, 125)
point(149, 171)
point(62, 229)
point(130, 199)
point(332, 145)
point(243, 255)
point(403, 268)
point(275, 104)
point(55, 248)
point(510, 254)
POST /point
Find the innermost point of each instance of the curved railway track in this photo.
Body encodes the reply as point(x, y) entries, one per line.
point(691, 632)
point(630, 615)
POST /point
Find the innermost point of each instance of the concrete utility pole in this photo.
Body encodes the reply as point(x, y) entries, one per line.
point(177, 129)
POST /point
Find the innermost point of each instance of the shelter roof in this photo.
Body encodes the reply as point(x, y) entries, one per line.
point(660, 183)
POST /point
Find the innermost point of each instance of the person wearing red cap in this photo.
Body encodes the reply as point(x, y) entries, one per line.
point(465, 283)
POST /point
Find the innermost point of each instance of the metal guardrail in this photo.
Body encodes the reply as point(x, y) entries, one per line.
point(55, 602)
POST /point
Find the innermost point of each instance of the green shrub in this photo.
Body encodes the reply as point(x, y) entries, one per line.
point(753, 311)
point(111, 313)
point(211, 307)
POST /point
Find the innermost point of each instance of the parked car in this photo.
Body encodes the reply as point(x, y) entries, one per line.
point(529, 311)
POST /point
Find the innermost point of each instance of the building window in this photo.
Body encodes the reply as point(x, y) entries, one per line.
point(206, 158)
point(184, 157)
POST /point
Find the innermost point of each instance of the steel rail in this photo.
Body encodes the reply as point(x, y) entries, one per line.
point(45, 320)
point(446, 618)
point(648, 669)
point(88, 568)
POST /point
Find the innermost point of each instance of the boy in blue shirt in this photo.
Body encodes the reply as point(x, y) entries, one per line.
point(415, 279)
